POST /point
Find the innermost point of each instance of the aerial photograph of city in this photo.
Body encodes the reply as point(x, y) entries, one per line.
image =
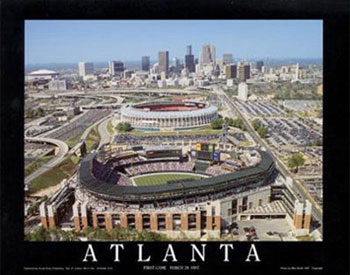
point(173, 130)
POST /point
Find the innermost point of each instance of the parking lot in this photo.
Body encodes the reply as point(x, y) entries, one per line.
point(288, 131)
point(266, 230)
point(259, 109)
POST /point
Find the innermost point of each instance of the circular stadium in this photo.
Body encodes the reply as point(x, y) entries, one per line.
point(175, 115)
point(159, 175)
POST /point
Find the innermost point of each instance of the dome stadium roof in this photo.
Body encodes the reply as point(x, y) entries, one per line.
point(43, 72)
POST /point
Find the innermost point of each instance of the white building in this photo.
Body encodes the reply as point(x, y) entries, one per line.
point(198, 69)
point(161, 83)
point(229, 82)
point(41, 74)
point(85, 68)
point(185, 81)
point(243, 91)
point(172, 82)
point(296, 76)
point(56, 85)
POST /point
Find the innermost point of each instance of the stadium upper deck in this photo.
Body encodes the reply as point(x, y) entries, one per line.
point(250, 175)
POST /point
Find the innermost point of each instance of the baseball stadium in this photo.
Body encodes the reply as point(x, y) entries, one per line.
point(178, 115)
point(189, 191)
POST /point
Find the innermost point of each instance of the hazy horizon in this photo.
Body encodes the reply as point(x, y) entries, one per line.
point(71, 41)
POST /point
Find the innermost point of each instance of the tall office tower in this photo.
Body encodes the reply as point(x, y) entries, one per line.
point(231, 71)
point(227, 58)
point(163, 61)
point(188, 50)
point(85, 68)
point(243, 72)
point(208, 55)
point(145, 63)
point(116, 68)
point(259, 65)
point(189, 59)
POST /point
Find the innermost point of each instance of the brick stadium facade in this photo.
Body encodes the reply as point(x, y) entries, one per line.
point(191, 223)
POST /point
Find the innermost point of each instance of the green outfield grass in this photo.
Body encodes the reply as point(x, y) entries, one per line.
point(160, 179)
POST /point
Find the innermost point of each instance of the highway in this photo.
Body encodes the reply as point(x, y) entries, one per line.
point(86, 133)
point(63, 149)
point(104, 134)
point(299, 188)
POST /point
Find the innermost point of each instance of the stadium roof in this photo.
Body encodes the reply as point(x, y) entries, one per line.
point(43, 72)
point(162, 147)
point(126, 192)
point(128, 110)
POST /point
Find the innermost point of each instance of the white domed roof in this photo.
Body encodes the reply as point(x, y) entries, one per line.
point(43, 72)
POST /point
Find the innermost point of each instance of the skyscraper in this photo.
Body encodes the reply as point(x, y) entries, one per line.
point(163, 61)
point(208, 55)
point(227, 58)
point(115, 67)
point(243, 72)
point(85, 68)
point(188, 50)
point(231, 71)
point(259, 65)
point(189, 59)
point(145, 63)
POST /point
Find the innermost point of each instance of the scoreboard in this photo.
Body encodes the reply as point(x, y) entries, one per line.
point(205, 151)
point(161, 153)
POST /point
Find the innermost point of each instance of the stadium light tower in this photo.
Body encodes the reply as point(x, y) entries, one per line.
point(223, 136)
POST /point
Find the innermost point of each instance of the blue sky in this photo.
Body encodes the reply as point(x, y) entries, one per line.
point(70, 41)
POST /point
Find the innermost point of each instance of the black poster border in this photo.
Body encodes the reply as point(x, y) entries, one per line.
point(328, 254)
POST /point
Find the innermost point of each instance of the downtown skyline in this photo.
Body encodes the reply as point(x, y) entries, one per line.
point(97, 41)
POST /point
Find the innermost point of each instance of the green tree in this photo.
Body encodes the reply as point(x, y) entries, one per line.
point(295, 161)
point(256, 124)
point(262, 132)
point(124, 127)
point(217, 123)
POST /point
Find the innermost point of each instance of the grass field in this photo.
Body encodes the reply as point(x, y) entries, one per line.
point(160, 179)
point(55, 175)
point(92, 139)
point(110, 128)
point(74, 140)
point(36, 165)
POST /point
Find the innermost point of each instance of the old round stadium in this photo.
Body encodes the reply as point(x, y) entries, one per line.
point(174, 115)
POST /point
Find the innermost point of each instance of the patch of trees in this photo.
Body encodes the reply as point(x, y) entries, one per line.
point(118, 234)
point(237, 123)
point(259, 128)
point(34, 113)
point(123, 127)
